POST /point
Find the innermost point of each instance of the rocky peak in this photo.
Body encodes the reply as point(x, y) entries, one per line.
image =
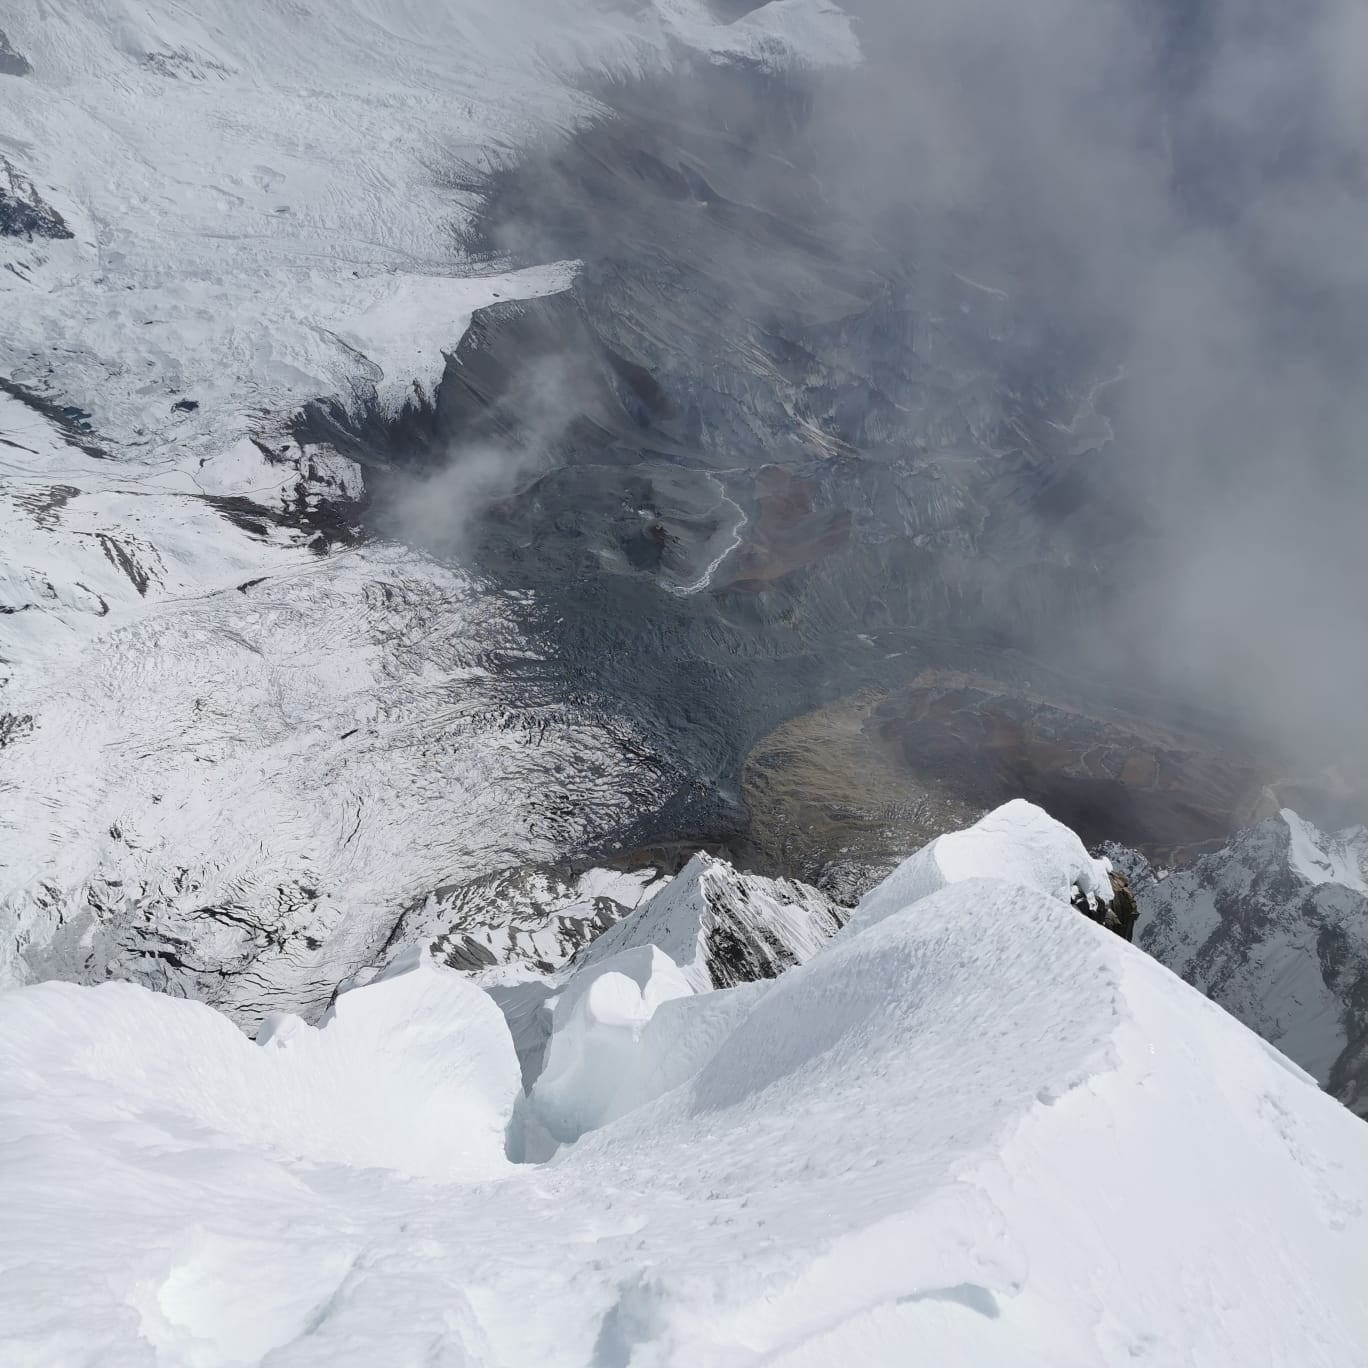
point(723, 927)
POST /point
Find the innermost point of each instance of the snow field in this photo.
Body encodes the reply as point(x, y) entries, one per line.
point(981, 1130)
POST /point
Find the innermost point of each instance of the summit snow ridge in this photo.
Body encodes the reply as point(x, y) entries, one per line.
point(979, 1124)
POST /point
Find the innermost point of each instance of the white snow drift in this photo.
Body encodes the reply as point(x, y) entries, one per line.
point(980, 1130)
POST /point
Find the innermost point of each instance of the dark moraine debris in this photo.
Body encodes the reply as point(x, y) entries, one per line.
point(12, 61)
point(45, 506)
point(119, 556)
point(765, 454)
point(13, 726)
point(74, 423)
point(328, 523)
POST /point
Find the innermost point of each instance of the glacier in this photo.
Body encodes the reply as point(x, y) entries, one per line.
point(409, 1044)
point(981, 1125)
point(240, 743)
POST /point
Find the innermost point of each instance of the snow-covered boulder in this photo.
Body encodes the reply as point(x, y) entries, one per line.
point(722, 927)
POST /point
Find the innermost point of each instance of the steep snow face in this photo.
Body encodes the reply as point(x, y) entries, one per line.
point(1320, 859)
point(612, 1032)
point(1274, 927)
point(982, 1126)
point(708, 927)
point(595, 1051)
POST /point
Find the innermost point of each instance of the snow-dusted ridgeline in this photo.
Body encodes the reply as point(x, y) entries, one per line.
point(1274, 927)
point(707, 927)
point(979, 1125)
point(724, 928)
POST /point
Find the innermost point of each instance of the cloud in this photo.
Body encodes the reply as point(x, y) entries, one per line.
point(476, 467)
point(1183, 186)
point(1172, 191)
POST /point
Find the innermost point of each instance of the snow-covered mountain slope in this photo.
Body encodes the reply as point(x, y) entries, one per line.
point(1019, 841)
point(233, 750)
point(229, 764)
point(261, 203)
point(607, 1039)
point(1274, 927)
point(978, 1130)
point(1334, 858)
point(524, 920)
point(710, 927)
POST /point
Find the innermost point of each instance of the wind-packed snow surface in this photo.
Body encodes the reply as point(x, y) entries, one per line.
point(979, 1130)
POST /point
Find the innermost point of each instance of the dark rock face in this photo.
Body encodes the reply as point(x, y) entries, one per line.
point(1118, 915)
point(13, 726)
point(23, 212)
point(12, 62)
point(30, 218)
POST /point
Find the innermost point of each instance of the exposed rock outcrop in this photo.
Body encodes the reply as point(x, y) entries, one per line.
point(536, 916)
point(23, 211)
point(1119, 915)
point(12, 61)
